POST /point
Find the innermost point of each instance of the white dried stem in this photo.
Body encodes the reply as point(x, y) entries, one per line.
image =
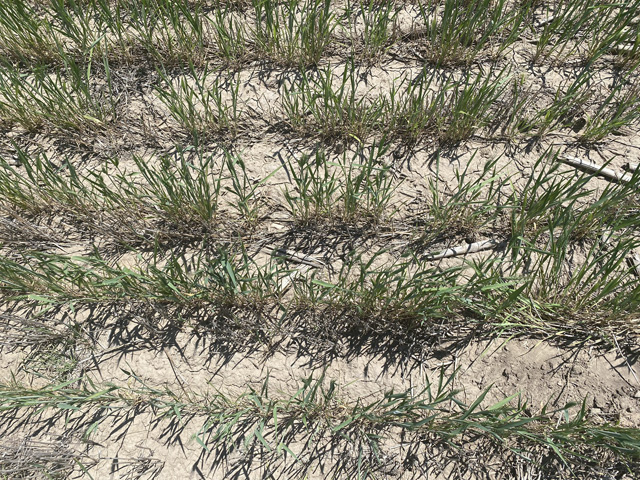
point(607, 173)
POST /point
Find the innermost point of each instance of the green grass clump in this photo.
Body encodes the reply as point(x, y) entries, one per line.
point(379, 20)
point(471, 206)
point(587, 27)
point(577, 102)
point(66, 98)
point(349, 191)
point(220, 278)
point(457, 31)
point(330, 105)
point(450, 108)
point(25, 34)
point(203, 104)
point(179, 196)
point(294, 32)
point(621, 108)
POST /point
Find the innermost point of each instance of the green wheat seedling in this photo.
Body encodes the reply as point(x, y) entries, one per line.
point(378, 30)
point(368, 185)
point(472, 204)
point(628, 49)
point(595, 293)
point(449, 108)
point(203, 103)
point(81, 27)
point(294, 32)
point(514, 113)
point(374, 294)
point(182, 190)
point(219, 279)
point(37, 188)
point(171, 32)
point(619, 109)
point(547, 190)
point(271, 421)
point(316, 410)
point(245, 192)
point(42, 190)
point(603, 282)
point(178, 198)
point(607, 213)
point(186, 191)
point(406, 294)
point(586, 26)
point(413, 109)
point(350, 191)
point(613, 28)
point(229, 34)
point(549, 215)
point(25, 34)
point(568, 104)
point(457, 31)
point(469, 107)
point(118, 40)
point(64, 98)
point(168, 198)
point(329, 105)
point(557, 37)
point(316, 188)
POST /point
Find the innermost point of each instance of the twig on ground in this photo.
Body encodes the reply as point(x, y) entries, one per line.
point(607, 173)
point(176, 372)
point(298, 257)
point(465, 249)
point(633, 372)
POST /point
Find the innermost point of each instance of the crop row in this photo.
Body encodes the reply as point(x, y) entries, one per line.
point(331, 104)
point(302, 32)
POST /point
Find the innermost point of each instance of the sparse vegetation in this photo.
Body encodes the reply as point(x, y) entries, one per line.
point(213, 213)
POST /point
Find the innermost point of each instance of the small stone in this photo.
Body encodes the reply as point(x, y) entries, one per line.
point(637, 395)
point(596, 411)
